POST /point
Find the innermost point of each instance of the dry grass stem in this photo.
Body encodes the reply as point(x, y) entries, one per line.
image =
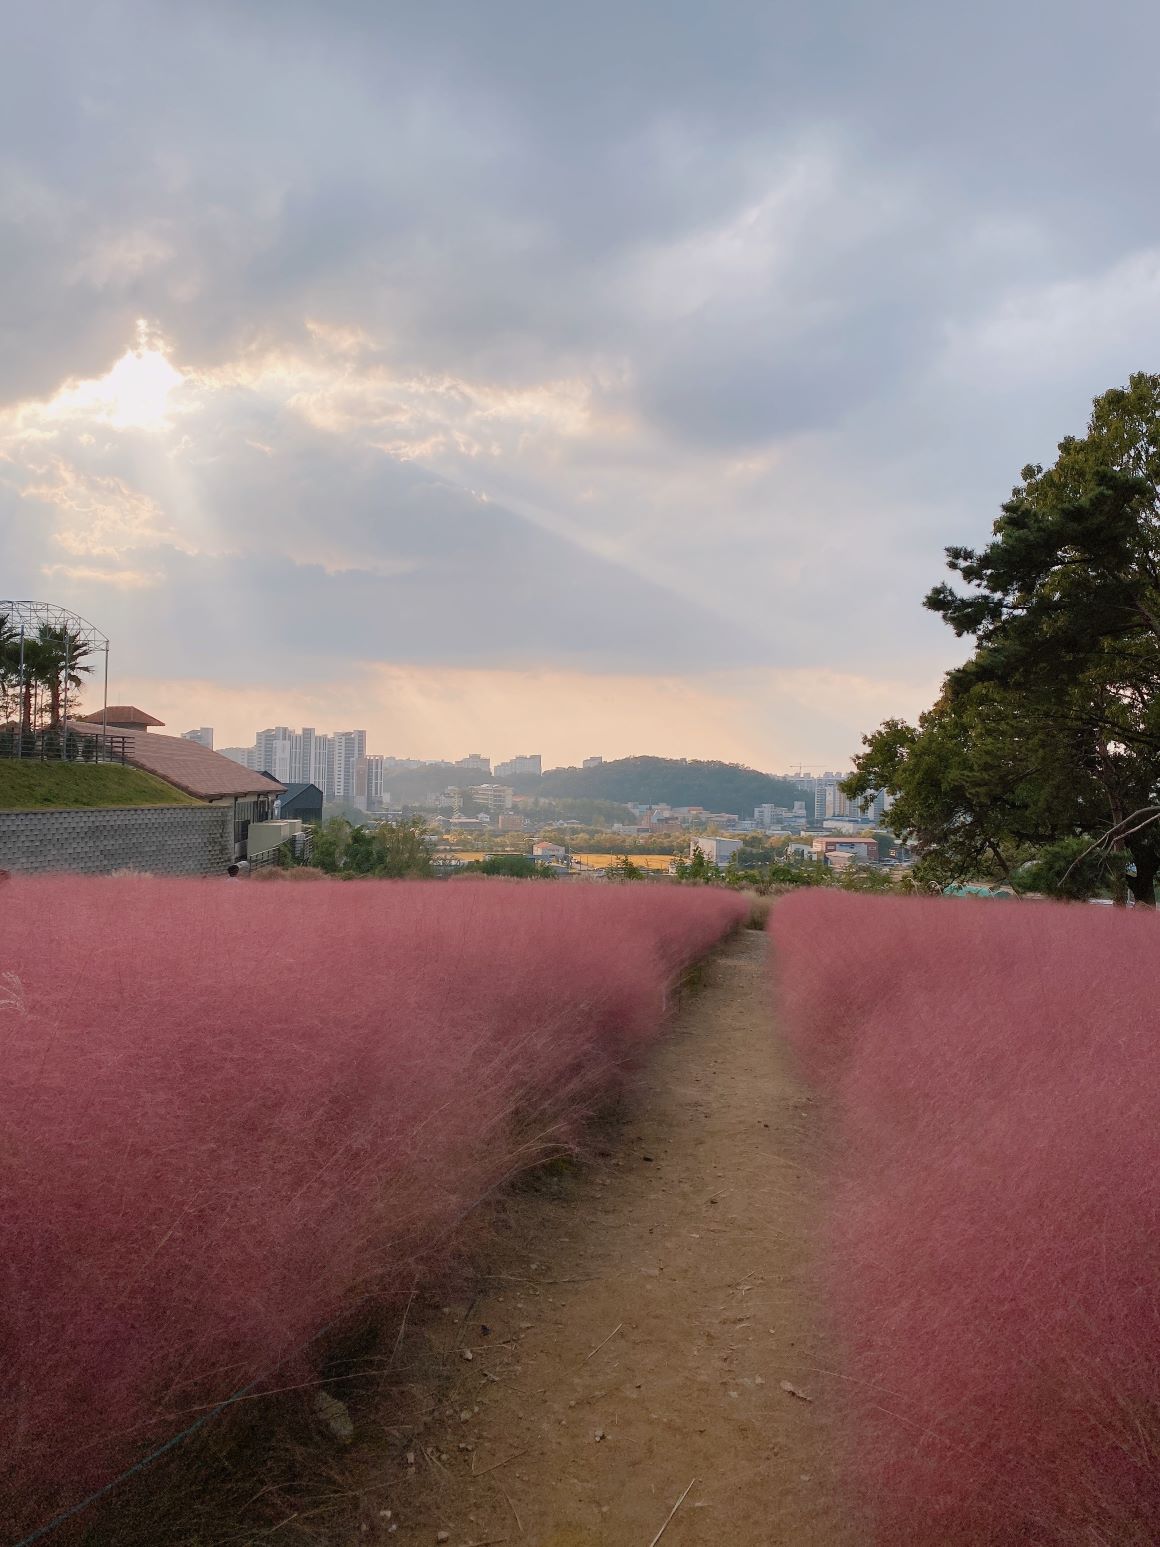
point(608, 1339)
point(671, 1513)
point(514, 1510)
point(495, 1465)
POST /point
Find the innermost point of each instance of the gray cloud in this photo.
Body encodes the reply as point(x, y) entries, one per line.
point(856, 249)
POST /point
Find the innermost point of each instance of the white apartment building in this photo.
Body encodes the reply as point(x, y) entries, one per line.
point(492, 797)
point(525, 764)
point(273, 752)
point(879, 806)
point(203, 737)
point(349, 746)
point(768, 815)
point(841, 807)
point(369, 794)
point(243, 755)
point(322, 765)
point(302, 756)
point(718, 851)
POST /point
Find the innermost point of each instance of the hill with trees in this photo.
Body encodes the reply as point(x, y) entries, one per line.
point(665, 780)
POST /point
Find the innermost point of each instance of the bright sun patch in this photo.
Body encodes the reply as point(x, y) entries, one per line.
point(133, 394)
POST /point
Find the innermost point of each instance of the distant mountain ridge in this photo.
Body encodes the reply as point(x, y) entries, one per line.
point(725, 787)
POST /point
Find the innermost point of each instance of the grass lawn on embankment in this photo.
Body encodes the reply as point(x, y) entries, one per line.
point(30, 785)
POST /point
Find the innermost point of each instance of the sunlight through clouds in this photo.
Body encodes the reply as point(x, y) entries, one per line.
point(134, 394)
point(636, 344)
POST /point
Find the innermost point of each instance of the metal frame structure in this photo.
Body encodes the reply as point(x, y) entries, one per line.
point(29, 616)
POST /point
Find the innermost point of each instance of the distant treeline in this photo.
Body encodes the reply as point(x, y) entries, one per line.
point(601, 795)
point(669, 781)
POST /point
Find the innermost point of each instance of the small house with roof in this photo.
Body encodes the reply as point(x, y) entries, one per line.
point(301, 801)
point(187, 765)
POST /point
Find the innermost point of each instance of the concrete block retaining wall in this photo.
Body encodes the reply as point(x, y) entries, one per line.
point(165, 840)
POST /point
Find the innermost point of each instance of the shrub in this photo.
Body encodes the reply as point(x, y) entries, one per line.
point(517, 867)
point(231, 1115)
point(994, 1259)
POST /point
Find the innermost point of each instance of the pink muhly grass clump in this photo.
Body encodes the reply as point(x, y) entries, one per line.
point(231, 1115)
point(994, 1076)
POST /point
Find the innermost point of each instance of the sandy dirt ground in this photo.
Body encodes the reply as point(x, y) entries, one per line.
point(646, 1336)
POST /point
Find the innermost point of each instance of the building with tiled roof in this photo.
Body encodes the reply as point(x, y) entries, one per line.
point(121, 717)
point(187, 765)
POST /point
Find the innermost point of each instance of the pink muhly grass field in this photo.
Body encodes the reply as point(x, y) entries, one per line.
point(232, 1114)
point(993, 1070)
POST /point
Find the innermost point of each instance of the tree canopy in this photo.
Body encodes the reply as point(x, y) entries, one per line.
point(392, 849)
point(54, 659)
point(1049, 734)
point(664, 780)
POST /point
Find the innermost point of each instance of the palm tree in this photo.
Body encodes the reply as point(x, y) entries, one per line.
point(59, 660)
point(9, 665)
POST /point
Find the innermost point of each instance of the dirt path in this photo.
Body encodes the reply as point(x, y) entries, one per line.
point(640, 1320)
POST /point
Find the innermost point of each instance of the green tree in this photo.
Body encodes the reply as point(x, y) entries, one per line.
point(9, 670)
point(865, 878)
point(1050, 731)
point(623, 869)
point(393, 849)
point(331, 841)
point(698, 867)
point(401, 849)
point(520, 867)
point(63, 656)
point(1074, 868)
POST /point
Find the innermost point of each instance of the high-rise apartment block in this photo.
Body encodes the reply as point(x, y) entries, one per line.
point(273, 753)
point(203, 736)
point(526, 765)
point(475, 762)
point(243, 755)
point(369, 794)
point(305, 757)
point(302, 760)
point(322, 765)
point(831, 805)
point(349, 746)
point(492, 797)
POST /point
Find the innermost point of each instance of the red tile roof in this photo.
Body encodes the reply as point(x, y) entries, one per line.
point(121, 715)
point(191, 767)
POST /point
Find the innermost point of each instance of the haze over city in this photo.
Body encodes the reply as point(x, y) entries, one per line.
point(597, 379)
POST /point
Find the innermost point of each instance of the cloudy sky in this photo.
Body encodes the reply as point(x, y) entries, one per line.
point(514, 376)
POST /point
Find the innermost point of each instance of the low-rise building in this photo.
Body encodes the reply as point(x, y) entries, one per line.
point(264, 839)
point(207, 776)
point(838, 851)
point(718, 851)
point(493, 797)
point(300, 801)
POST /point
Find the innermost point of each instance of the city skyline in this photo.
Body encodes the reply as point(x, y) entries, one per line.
point(286, 751)
point(656, 723)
